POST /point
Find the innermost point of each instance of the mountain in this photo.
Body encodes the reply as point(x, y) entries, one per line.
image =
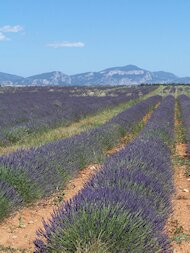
point(45, 79)
point(185, 80)
point(124, 75)
point(8, 79)
point(163, 77)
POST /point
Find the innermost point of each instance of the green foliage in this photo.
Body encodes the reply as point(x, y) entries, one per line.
point(21, 183)
point(91, 225)
point(180, 132)
point(12, 250)
point(95, 246)
point(4, 206)
point(179, 236)
point(138, 127)
point(183, 161)
point(162, 135)
point(112, 137)
point(16, 134)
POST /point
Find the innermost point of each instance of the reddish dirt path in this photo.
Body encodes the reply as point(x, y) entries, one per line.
point(181, 150)
point(180, 218)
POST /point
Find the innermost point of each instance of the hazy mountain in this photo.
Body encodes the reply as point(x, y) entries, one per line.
point(113, 76)
point(163, 77)
point(45, 79)
point(185, 80)
point(8, 79)
point(125, 75)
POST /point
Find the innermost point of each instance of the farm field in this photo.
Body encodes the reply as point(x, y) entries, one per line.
point(19, 136)
point(107, 169)
point(46, 108)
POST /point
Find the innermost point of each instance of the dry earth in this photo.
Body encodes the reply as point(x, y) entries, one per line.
point(179, 222)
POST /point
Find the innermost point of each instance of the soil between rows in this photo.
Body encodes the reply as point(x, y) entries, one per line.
point(179, 223)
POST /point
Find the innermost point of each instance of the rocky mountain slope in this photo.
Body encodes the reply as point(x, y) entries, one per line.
point(126, 75)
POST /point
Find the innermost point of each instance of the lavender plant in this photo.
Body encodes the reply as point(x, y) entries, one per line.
point(39, 171)
point(184, 102)
point(126, 204)
point(9, 198)
point(184, 128)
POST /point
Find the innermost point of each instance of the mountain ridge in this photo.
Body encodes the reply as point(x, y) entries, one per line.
point(122, 75)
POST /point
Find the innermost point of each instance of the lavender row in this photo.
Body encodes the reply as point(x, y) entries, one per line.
point(39, 171)
point(185, 113)
point(169, 89)
point(25, 111)
point(125, 206)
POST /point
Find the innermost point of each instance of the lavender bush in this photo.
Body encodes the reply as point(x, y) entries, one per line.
point(126, 204)
point(9, 198)
point(42, 170)
point(184, 102)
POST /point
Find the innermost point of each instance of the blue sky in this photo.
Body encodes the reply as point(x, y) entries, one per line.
point(76, 36)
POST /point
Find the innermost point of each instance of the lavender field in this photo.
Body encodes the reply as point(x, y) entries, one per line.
point(125, 205)
point(27, 110)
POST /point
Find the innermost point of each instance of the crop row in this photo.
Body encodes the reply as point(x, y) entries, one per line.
point(125, 205)
point(29, 174)
point(169, 89)
point(185, 114)
point(23, 112)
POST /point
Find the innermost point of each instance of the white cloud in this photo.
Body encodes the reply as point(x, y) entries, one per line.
point(3, 37)
point(66, 44)
point(11, 29)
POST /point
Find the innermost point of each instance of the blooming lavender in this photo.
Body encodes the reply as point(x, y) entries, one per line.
point(42, 170)
point(9, 198)
point(184, 106)
point(29, 109)
point(126, 204)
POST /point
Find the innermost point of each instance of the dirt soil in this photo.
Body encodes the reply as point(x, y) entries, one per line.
point(182, 151)
point(180, 219)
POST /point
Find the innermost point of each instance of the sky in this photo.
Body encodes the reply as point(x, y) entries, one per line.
point(75, 36)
